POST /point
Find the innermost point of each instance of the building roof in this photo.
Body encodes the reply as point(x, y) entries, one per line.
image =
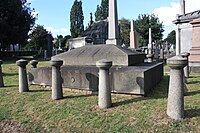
point(96, 28)
point(188, 17)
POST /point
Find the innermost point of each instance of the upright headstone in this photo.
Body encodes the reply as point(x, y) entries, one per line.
point(104, 98)
point(133, 36)
point(175, 105)
point(1, 75)
point(57, 92)
point(113, 28)
point(23, 82)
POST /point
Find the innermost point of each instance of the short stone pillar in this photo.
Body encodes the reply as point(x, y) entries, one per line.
point(150, 56)
point(104, 98)
point(1, 74)
point(186, 68)
point(175, 105)
point(23, 82)
point(34, 63)
point(57, 92)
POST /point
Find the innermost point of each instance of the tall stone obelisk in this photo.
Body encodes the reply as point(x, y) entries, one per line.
point(133, 36)
point(113, 28)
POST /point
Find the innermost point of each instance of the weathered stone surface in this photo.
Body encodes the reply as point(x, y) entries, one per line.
point(104, 95)
point(175, 106)
point(1, 75)
point(89, 55)
point(138, 79)
point(23, 82)
point(57, 92)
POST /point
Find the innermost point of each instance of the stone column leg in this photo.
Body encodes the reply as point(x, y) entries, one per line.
point(57, 92)
point(104, 98)
point(34, 63)
point(1, 75)
point(150, 56)
point(23, 82)
point(186, 68)
point(175, 105)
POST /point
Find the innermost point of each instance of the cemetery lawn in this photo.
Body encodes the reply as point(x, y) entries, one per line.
point(34, 111)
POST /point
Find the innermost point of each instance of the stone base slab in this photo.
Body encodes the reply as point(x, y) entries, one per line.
point(140, 79)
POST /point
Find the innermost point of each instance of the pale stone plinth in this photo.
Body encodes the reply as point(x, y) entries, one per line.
point(57, 91)
point(34, 63)
point(104, 98)
point(1, 75)
point(23, 82)
point(175, 105)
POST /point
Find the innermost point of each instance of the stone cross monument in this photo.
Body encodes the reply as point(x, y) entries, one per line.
point(113, 28)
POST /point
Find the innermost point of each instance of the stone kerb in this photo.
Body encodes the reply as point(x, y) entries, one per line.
point(104, 95)
point(34, 63)
point(175, 105)
point(57, 92)
point(1, 75)
point(23, 82)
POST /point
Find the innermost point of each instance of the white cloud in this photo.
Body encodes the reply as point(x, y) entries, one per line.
point(167, 14)
point(59, 31)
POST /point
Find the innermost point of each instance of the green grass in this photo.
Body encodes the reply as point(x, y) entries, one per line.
point(78, 112)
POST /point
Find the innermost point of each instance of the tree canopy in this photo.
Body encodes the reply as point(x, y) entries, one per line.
point(143, 23)
point(102, 11)
point(171, 37)
point(125, 30)
point(76, 19)
point(40, 39)
point(16, 20)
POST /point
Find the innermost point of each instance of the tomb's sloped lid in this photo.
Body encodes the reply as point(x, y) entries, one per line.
point(88, 55)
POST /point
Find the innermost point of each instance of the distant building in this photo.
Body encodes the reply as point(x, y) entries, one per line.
point(188, 36)
point(98, 31)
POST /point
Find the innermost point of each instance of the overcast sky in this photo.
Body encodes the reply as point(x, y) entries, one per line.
point(55, 14)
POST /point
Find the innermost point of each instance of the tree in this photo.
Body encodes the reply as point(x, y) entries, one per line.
point(98, 13)
point(62, 42)
point(143, 23)
point(76, 19)
point(40, 39)
point(16, 20)
point(171, 37)
point(125, 31)
point(102, 11)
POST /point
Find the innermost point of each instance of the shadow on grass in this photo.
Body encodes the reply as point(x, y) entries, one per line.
point(10, 74)
point(39, 90)
point(190, 113)
point(79, 96)
point(193, 93)
point(160, 91)
point(9, 86)
point(193, 82)
point(116, 104)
